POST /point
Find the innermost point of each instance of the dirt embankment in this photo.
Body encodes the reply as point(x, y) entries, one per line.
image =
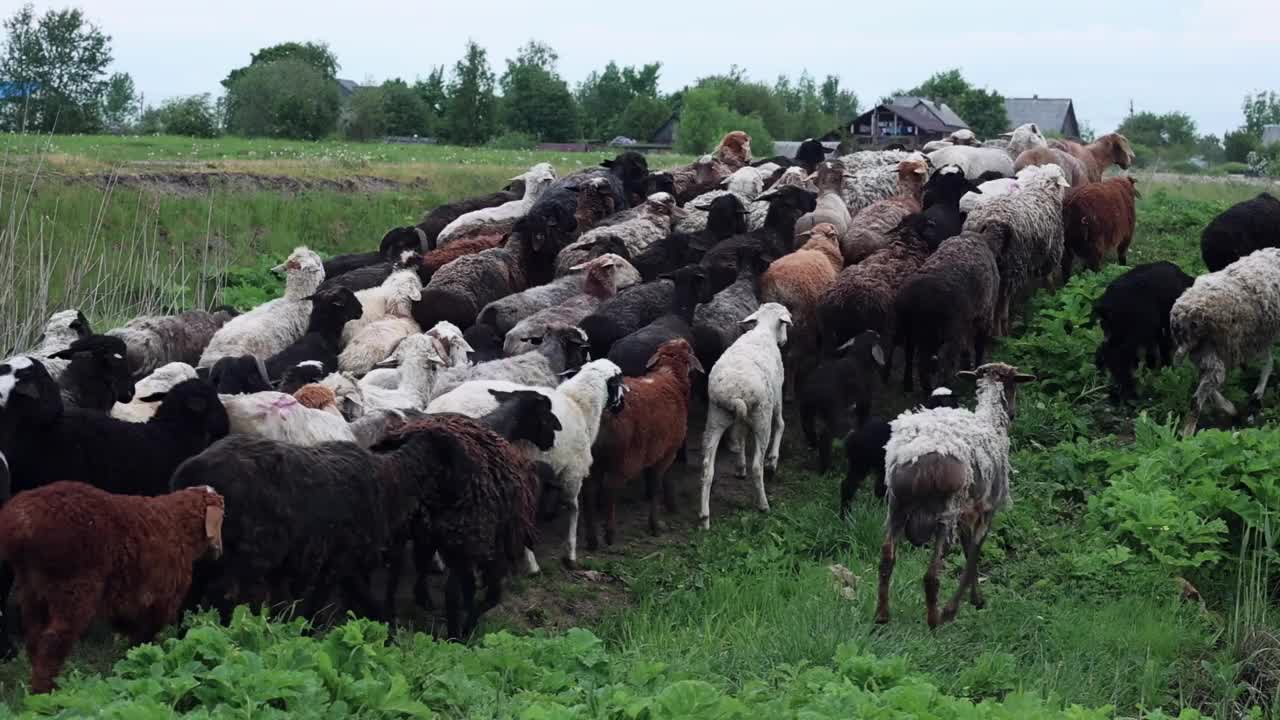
point(200, 184)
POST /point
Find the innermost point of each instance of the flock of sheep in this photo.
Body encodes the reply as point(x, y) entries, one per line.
point(550, 341)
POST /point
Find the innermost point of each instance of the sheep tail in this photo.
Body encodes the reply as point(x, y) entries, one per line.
point(739, 408)
point(921, 491)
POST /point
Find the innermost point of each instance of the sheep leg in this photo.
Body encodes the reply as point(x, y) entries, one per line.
point(66, 624)
point(469, 600)
point(591, 493)
point(738, 447)
point(968, 579)
point(760, 444)
point(358, 593)
point(887, 558)
point(610, 498)
point(653, 479)
point(531, 561)
point(941, 542)
point(395, 566)
point(571, 560)
point(715, 426)
point(1212, 375)
point(1255, 400)
point(775, 442)
point(424, 558)
point(452, 598)
point(853, 478)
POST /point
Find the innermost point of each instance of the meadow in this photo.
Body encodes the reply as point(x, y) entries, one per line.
point(1130, 578)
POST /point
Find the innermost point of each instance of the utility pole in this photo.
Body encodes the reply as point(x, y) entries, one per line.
point(1130, 107)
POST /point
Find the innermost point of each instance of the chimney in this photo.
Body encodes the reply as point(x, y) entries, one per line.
point(1035, 97)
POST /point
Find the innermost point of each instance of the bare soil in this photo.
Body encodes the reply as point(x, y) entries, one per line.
point(199, 184)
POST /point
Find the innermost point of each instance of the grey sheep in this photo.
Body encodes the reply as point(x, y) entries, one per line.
point(505, 313)
point(561, 347)
point(622, 315)
point(63, 328)
point(717, 322)
point(831, 207)
point(155, 340)
point(649, 223)
point(605, 276)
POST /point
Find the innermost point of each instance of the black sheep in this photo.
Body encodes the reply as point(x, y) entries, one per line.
point(1239, 230)
point(304, 373)
point(371, 276)
point(330, 310)
point(632, 352)
point(237, 375)
point(1134, 314)
point(942, 195)
point(726, 217)
point(98, 375)
point(484, 341)
point(811, 153)
point(396, 241)
point(838, 385)
point(626, 312)
point(773, 240)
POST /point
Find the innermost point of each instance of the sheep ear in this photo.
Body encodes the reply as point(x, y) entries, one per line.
point(566, 374)
point(1024, 377)
point(501, 395)
point(154, 397)
point(696, 364)
point(213, 526)
point(877, 354)
point(967, 374)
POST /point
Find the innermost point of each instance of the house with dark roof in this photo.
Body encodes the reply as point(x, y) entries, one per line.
point(346, 88)
point(907, 120)
point(1052, 115)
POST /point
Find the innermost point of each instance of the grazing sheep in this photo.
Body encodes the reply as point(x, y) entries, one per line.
point(155, 340)
point(604, 277)
point(440, 216)
point(1097, 156)
point(1239, 230)
point(393, 245)
point(1134, 314)
point(837, 386)
point(872, 227)
point(1074, 170)
point(973, 160)
point(63, 328)
point(797, 282)
point(160, 381)
point(81, 554)
point(649, 223)
point(272, 326)
point(717, 322)
point(745, 390)
point(97, 374)
point(1096, 218)
point(1023, 138)
point(643, 438)
point(499, 220)
point(1034, 252)
point(1225, 319)
point(393, 298)
point(625, 313)
point(331, 310)
point(560, 348)
point(237, 375)
point(946, 473)
point(830, 206)
point(949, 303)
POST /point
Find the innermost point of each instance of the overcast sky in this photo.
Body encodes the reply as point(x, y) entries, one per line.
point(1200, 57)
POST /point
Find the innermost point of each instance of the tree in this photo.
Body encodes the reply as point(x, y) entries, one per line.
point(604, 96)
point(700, 120)
point(1260, 110)
point(470, 117)
point(283, 98)
point(193, 115)
point(535, 100)
point(365, 116)
point(841, 105)
point(56, 62)
point(982, 109)
point(119, 102)
point(1238, 144)
point(642, 117)
point(434, 96)
point(1210, 148)
point(1173, 129)
point(317, 55)
point(406, 113)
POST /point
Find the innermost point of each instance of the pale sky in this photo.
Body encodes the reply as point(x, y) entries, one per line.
point(1198, 56)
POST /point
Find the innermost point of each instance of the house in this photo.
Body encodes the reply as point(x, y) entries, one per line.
point(666, 132)
point(346, 88)
point(1270, 134)
point(1052, 115)
point(14, 90)
point(906, 120)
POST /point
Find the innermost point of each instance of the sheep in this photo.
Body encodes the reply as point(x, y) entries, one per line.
point(623, 314)
point(394, 297)
point(281, 417)
point(836, 386)
point(830, 206)
point(633, 351)
point(433, 260)
point(97, 375)
point(870, 183)
point(485, 343)
point(745, 389)
point(500, 219)
point(304, 373)
point(271, 327)
point(650, 222)
point(867, 159)
point(393, 245)
point(1239, 230)
point(935, 145)
point(331, 310)
point(993, 187)
point(714, 216)
point(506, 313)
point(797, 282)
point(645, 437)
point(862, 296)
point(873, 223)
point(237, 375)
point(733, 153)
point(1225, 319)
point(775, 239)
point(604, 277)
point(716, 323)
point(810, 153)
point(963, 137)
point(155, 340)
point(1074, 170)
point(1097, 156)
point(1023, 138)
point(578, 404)
point(1134, 314)
point(941, 200)
point(374, 342)
point(1096, 218)
point(561, 347)
point(946, 473)
point(318, 397)
point(595, 202)
point(450, 343)
point(1034, 215)
point(115, 455)
point(974, 160)
point(440, 216)
point(950, 302)
point(420, 361)
point(160, 381)
point(79, 553)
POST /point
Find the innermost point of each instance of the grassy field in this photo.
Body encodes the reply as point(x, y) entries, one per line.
point(1086, 575)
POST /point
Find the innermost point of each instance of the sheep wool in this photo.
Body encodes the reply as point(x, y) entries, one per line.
point(394, 297)
point(1023, 138)
point(974, 160)
point(272, 326)
point(500, 219)
point(154, 340)
point(163, 379)
point(871, 227)
point(63, 328)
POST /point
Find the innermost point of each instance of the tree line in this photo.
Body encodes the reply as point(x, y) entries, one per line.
point(1171, 139)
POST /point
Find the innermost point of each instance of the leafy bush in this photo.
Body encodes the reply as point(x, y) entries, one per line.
point(193, 116)
point(282, 99)
point(248, 287)
point(1232, 168)
point(365, 115)
point(513, 141)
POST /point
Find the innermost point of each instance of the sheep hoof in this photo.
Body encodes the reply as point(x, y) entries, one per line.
point(569, 563)
point(705, 522)
point(882, 617)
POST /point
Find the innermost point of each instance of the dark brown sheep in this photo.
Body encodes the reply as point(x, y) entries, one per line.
point(1097, 218)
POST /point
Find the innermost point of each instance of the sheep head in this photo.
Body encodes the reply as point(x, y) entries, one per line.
point(397, 240)
point(1121, 153)
point(194, 404)
point(663, 205)
point(822, 236)
point(676, 354)
point(998, 376)
point(536, 422)
point(450, 343)
point(27, 390)
point(105, 356)
point(864, 348)
point(303, 270)
point(735, 149)
point(771, 315)
point(66, 326)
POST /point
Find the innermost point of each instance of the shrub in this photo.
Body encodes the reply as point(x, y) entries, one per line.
point(1232, 168)
point(194, 116)
point(1238, 144)
point(364, 117)
point(511, 140)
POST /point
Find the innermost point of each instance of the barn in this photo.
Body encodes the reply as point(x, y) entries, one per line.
point(1053, 115)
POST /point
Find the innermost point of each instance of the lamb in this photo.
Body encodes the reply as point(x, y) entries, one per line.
point(561, 348)
point(625, 313)
point(80, 554)
point(1023, 138)
point(331, 310)
point(1225, 319)
point(798, 282)
point(1096, 218)
point(1034, 216)
point(745, 389)
point(870, 183)
point(604, 277)
point(500, 219)
point(633, 351)
point(361, 271)
point(272, 326)
point(375, 341)
point(717, 322)
point(1097, 156)
point(450, 343)
point(643, 438)
point(97, 374)
point(650, 223)
point(1134, 314)
point(873, 225)
point(439, 217)
point(974, 160)
point(578, 404)
point(941, 200)
point(950, 303)
point(1074, 170)
point(1239, 230)
point(506, 313)
point(155, 340)
point(160, 381)
point(837, 386)
point(394, 297)
point(830, 206)
point(946, 473)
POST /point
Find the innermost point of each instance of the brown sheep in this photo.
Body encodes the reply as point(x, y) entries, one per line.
point(317, 397)
point(871, 226)
point(734, 149)
point(797, 281)
point(595, 203)
point(1075, 170)
point(707, 172)
point(643, 438)
point(81, 553)
point(438, 258)
point(1096, 218)
point(1097, 156)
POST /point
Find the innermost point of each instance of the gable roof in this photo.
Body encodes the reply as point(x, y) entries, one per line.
point(1049, 113)
point(1270, 134)
point(347, 87)
point(927, 115)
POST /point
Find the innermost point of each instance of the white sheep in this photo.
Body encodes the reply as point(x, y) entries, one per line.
point(395, 296)
point(559, 348)
point(420, 362)
point(577, 403)
point(1023, 138)
point(1225, 319)
point(745, 390)
point(281, 417)
point(161, 380)
point(275, 325)
point(974, 160)
point(500, 219)
point(375, 341)
point(746, 182)
point(450, 345)
point(993, 189)
point(947, 469)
